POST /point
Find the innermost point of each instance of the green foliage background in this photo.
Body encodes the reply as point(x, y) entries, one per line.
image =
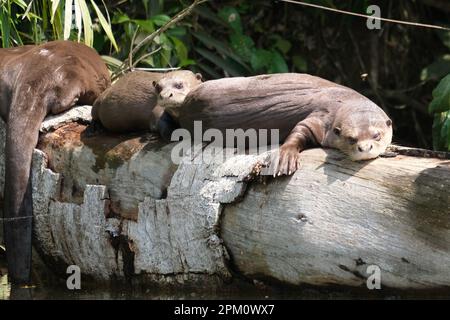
point(398, 67)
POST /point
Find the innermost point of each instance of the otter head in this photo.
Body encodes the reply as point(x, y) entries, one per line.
point(173, 88)
point(362, 133)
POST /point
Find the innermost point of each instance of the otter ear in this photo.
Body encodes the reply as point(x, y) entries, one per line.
point(199, 76)
point(154, 84)
point(337, 131)
point(389, 122)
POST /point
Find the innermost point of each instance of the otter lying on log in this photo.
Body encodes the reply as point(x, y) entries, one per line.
point(308, 111)
point(130, 104)
point(36, 81)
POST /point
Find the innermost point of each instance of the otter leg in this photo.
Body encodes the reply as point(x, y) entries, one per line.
point(24, 120)
point(21, 139)
point(166, 125)
point(306, 133)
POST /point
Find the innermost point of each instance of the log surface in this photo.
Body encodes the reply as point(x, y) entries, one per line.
point(118, 207)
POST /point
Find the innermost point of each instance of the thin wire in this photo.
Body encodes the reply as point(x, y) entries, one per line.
point(416, 24)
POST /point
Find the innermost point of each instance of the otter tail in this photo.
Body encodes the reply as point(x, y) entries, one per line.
point(21, 138)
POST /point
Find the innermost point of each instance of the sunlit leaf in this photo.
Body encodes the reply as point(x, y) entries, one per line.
point(105, 25)
point(111, 61)
point(55, 4)
point(78, 19)
point(87, 23)
point(67, 19)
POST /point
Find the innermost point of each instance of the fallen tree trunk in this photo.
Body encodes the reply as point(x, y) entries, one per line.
point(116, 206)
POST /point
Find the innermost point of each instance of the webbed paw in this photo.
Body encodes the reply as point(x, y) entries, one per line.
point(287, 161)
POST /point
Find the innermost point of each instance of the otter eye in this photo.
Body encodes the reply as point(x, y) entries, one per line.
point(158, 88)
point(389, 122)
point(352, 140)
point(377, 136)
point(337, 131)
point(178, 86)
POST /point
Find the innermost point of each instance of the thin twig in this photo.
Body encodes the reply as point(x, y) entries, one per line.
point(145, 56)
point(149, 39)
point(130, 56)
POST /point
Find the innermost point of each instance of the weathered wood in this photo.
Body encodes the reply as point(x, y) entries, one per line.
point(116, 206)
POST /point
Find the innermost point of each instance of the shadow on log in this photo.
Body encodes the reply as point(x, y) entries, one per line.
point(118, 207)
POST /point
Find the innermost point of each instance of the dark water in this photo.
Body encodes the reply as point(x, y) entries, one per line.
point(237, 289)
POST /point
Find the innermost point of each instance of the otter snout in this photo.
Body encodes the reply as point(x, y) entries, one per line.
point(365, 147)
point(166, 95)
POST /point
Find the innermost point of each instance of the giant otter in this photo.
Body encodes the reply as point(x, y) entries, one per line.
point(36, 81)
point(130, 104)
point(307, 110)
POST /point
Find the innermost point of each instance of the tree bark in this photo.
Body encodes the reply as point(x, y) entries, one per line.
point(116, 206)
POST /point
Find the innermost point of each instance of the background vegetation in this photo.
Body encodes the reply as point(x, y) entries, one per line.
point(403, 69)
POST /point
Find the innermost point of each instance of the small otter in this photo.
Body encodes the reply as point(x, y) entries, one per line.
point(307, 110)
point(131, 103)
point(173, 89)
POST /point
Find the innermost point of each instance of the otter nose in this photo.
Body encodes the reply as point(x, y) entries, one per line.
point(365, 148)
point(165, 96)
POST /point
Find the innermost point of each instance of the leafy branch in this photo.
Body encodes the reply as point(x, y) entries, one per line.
point(128, 64)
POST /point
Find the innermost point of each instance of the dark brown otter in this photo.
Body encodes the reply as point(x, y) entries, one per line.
point(36, 81)
point(307, 110)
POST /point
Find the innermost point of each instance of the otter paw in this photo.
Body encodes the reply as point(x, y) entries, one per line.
point(288, 161)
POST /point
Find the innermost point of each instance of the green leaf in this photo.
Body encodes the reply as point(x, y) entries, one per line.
point(120, 17)
point(146, 25)
point(437, 69)
point(243, 45)
point(232, 17)
point(186, 62)
point(441, 96)
point(5, 27)
point(160, 19)
point(261, 59)
point(105, 25)
point(278, 64)
point(180, 48)
point(441, 131)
